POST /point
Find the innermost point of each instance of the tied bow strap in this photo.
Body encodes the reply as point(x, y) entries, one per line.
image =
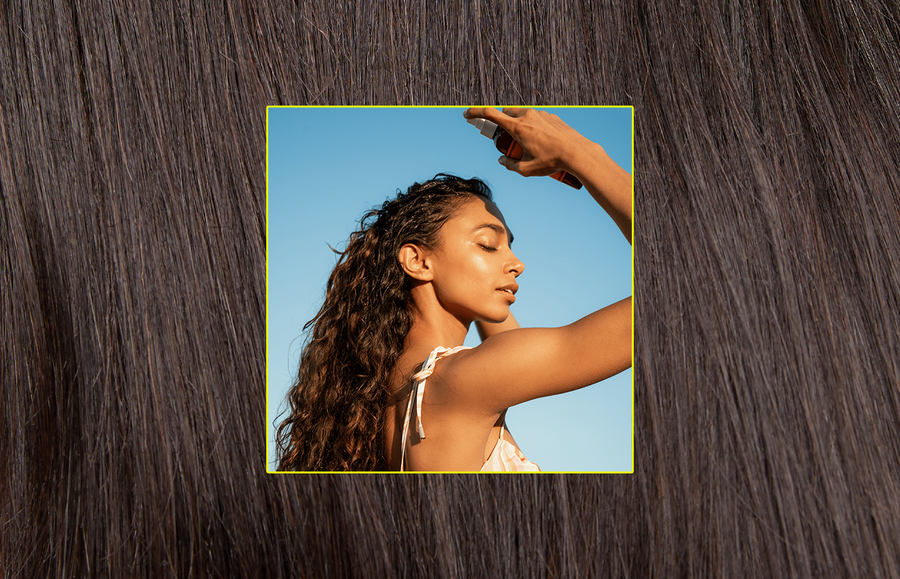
point(418, 393)
point(419, 378)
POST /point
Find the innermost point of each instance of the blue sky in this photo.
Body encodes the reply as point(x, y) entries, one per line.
point(327, 166)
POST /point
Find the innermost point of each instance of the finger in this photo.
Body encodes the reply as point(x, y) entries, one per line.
point(527, 167)
point(490, 114)
point(514, 112)
point(475, 112)
point(509, 163)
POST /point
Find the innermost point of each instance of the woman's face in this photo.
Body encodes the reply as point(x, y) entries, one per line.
point(475, 269)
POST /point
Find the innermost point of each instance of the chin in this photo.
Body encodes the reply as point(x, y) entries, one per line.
point(496, 318)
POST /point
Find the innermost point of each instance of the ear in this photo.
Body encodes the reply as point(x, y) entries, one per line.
point(415, 262)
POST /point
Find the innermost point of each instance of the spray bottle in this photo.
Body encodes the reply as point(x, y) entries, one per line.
point(509, 147)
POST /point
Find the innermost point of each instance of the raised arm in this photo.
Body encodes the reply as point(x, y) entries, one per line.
point(487, 329)
point(551, 145)
point(518, 365)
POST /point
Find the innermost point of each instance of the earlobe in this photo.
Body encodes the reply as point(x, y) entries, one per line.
point(414, 261)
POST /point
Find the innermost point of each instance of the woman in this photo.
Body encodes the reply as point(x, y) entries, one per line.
point(410, 283)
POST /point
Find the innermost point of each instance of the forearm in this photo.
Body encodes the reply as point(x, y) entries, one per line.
point(550, 144)
point(487, 329)
point(608, 183)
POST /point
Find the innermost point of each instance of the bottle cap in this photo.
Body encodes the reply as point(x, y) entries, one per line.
point(486, 127)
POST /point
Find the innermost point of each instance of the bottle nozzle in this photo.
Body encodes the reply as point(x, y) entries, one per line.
point(486, 127)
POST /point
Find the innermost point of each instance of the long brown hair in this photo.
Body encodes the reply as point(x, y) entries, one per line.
point(132, 289)
point(338, 399)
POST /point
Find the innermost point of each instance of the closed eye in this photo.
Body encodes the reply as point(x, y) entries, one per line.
point(486, 248)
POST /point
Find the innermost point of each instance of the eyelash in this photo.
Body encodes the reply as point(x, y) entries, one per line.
point(486, 248)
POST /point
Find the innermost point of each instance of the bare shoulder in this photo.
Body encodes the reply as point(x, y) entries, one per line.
point(520, 365)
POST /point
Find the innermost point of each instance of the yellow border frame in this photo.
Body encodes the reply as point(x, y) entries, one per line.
point(633, 220)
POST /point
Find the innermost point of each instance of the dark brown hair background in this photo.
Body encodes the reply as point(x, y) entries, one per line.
point(132, 268)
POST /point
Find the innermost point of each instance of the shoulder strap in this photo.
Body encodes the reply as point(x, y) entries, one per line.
point(418, 392)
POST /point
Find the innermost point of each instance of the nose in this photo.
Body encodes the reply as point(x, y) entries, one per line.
point(515, 265)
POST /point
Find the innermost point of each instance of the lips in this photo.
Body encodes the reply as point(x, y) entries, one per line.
point(509, 291)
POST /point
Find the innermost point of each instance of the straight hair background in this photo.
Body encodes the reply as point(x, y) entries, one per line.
point(132, 223)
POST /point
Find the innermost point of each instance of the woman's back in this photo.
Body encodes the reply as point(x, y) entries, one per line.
point(456, 441)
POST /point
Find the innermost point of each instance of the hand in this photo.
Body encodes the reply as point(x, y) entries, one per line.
point(551, 145)
point(547, 141)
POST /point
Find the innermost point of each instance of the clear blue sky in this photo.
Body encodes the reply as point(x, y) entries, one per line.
point(327, 166)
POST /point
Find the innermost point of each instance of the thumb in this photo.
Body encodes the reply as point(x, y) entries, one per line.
point(509, 163)
point(526, 166)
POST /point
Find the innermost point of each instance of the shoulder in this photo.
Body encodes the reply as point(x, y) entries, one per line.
point(485, 377)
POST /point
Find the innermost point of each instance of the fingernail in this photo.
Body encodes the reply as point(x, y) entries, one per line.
point(466, 113)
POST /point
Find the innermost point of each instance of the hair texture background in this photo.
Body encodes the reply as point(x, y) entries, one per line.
point(132, 267)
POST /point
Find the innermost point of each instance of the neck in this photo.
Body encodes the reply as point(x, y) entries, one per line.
point(430, 331)
point(434, 326)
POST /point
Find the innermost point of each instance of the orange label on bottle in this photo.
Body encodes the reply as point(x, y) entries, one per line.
point(514, 151)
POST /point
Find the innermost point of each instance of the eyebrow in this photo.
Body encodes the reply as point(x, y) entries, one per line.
point(496, 228)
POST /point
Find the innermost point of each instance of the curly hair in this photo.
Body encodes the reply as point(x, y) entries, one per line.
point(338, 399)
